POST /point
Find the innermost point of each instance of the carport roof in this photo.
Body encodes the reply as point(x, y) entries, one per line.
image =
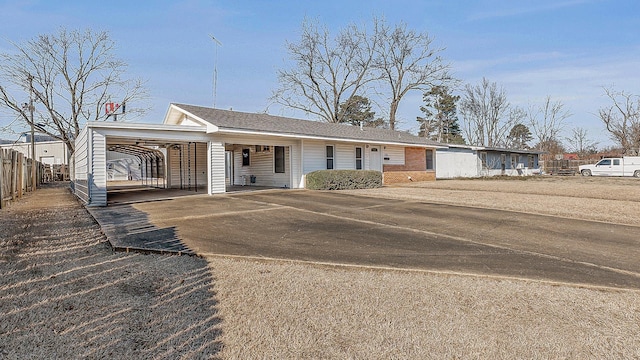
point(227, 121)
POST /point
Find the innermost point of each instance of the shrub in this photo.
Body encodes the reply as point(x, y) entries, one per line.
point(343, 179)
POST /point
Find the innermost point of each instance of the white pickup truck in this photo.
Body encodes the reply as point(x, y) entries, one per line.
point(623, 166)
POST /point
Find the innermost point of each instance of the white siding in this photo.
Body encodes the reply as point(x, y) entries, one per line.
point(452, 163)
point(188, 122)
point(395, 154)
point(187, 165)
point(261, 165)
point(345, 156)
point(81, 163)
point(98, 182)
point(216, 167)
point(315, 156)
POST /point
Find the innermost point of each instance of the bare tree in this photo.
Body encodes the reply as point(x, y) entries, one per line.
point(547, 121)
point(326, 72)
point(622, 119)
point(581, 143)
point(70, 75)
point(487, 114)
point(407, 60)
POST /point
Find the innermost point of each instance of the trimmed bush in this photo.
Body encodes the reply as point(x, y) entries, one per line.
point(343, 179)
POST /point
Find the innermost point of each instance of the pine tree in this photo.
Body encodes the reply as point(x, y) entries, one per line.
point(440, 122)
point(357, 110)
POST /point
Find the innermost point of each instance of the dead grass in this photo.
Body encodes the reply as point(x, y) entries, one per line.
point(64, 294)
point(613, 200)
point(300, 311)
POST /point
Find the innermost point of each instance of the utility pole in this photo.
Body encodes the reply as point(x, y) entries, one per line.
point(215, 70)
point(33, 142)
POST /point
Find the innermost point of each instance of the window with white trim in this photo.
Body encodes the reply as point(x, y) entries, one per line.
point(330, 157)
point(429, 156)
point(358, 158)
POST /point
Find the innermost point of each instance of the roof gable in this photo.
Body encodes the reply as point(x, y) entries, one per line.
point(241, 122)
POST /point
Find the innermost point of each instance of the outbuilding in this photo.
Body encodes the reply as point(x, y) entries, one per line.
point(467, 161)
point(211, 150)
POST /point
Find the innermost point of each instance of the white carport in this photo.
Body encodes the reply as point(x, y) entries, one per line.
point(170, 157)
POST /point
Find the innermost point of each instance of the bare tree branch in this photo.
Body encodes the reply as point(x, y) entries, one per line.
point(581, 143)
point(406, 61)
point(71, 75)
point(622, 119)
point(326, 72)
point(487, 115)
point(547, 121)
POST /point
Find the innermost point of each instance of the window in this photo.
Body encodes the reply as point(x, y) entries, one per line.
point(358, 158)
point(245, 157)
point(330, 157)
point(514, 161)
point(616, 161)
point(604, 162)
point(429, 159)
point(278, 156)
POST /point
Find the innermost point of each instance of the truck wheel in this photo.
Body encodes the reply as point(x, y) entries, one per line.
point(586, 172)
point(636, 174)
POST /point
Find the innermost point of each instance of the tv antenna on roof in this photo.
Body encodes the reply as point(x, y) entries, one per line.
point(215, 69)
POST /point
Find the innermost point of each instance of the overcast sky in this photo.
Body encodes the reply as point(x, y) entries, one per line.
point(567, 49)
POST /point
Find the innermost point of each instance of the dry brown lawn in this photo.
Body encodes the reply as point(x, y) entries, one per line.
point(64, 294)
point(614, 200)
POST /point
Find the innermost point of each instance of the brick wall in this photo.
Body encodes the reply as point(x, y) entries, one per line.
point(396, 177)
point(414, 168)
point(415, 159)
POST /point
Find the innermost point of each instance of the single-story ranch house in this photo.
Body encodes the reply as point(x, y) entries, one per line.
point(456, 161)
point(211, 149)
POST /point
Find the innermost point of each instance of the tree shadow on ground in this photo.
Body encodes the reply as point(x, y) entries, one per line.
point(65, 294)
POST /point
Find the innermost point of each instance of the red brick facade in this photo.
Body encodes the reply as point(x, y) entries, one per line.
point(414, 168)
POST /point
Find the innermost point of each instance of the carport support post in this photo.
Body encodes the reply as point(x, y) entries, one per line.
point(215, 167)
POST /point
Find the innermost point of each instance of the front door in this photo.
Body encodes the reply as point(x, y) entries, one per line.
point(374, 158)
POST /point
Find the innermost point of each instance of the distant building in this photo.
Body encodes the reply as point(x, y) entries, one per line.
point(52, 153)
point(476, 161)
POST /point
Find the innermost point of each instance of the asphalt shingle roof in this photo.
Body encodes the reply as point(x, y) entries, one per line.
point(235, 120)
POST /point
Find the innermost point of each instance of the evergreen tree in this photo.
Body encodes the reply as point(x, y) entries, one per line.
point(440, 122)
point(357, 110)
point(519, 137)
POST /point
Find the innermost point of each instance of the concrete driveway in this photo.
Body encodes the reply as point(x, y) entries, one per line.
point(331, 227)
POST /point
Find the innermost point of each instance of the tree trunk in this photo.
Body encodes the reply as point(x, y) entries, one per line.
point(392, 114)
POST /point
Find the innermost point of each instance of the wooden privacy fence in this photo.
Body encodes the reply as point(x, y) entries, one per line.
point(15, 175)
